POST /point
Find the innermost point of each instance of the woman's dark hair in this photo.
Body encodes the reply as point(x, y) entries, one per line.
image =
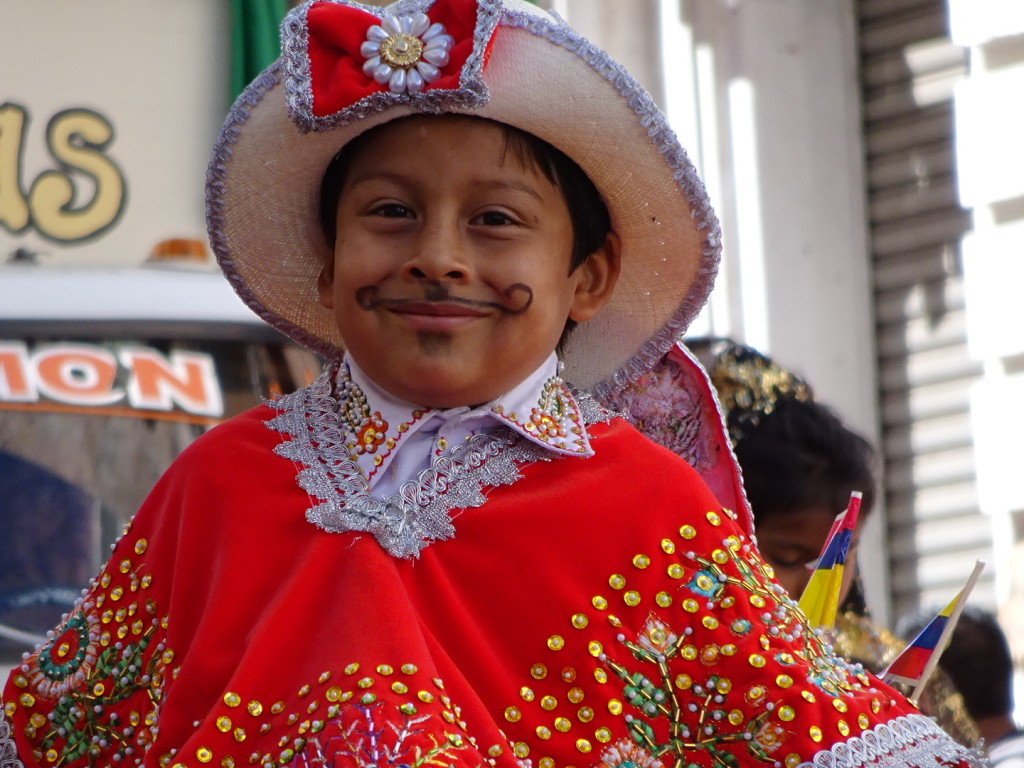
point(801, 455)
point(587, 211)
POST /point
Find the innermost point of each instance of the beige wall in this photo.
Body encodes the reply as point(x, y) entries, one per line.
point(146, 77)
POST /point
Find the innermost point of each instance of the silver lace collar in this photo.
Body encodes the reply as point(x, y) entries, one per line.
point(420, 512)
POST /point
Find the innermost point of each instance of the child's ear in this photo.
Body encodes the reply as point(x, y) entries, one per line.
point(596, 278)
point(325, 284)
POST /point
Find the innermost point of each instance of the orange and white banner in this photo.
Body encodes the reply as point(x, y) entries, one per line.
point(130, 377)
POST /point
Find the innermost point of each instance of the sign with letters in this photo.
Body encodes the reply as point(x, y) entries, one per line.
point(128, 379)
point(106, 126)
point(76, 140)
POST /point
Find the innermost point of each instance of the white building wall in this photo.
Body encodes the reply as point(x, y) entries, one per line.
point(990, 161)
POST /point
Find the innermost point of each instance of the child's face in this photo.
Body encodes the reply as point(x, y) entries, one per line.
point(450, 279)
point(788, 541)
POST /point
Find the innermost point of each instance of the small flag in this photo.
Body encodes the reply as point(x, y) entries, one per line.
point(820, 599)
point(916, 662)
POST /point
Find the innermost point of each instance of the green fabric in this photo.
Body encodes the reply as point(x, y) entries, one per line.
point(254, 38)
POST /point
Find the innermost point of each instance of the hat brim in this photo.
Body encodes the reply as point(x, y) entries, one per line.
point(264, 185)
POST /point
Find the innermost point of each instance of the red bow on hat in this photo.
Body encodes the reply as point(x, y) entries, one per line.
point(353, 54)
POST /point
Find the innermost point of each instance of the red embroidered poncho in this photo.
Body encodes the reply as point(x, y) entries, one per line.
point(600, 611)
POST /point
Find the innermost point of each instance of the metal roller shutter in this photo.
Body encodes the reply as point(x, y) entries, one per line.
point(935, 528)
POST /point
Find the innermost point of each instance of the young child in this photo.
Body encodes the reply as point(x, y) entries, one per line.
point(441, 552)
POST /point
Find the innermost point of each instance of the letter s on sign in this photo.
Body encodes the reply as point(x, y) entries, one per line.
point(76, 139)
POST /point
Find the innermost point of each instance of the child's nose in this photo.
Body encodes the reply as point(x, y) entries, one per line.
point(439, 253)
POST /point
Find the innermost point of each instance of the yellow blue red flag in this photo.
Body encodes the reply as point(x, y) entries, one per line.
point(820, 599)
point(915, 663)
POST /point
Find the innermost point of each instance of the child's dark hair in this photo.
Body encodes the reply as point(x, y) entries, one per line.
point(588, 213)
point(795, 453)
point(801, 456)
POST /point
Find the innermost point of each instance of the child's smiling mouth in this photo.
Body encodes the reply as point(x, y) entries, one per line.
point(450, 308)
point(436, 315)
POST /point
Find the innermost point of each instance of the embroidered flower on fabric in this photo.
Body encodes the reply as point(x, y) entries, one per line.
point(704, 584)
point(740, 627)
point(661, 406)
point(371, 434)
point(626, 754)
point(545, 424)
point(406, 52)
point(770, 736)
point(381, 735)
point(656, 636)
point(830, 675)
point(316, 421)
point(557, 421)
point(756, 695)
point(66, 660)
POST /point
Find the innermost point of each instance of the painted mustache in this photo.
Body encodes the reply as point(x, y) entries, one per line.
point(517, 299)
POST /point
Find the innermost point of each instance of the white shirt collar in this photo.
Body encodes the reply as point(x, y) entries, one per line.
point(392, 440)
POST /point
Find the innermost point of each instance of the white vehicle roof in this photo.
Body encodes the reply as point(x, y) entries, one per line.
point(164, 301)
point(142, 293)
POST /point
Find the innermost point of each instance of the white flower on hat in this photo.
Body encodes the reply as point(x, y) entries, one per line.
point(406, 52)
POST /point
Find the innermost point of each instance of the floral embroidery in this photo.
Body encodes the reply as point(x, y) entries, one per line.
point(781, 616)
point(374, 735)
point(557, 421)
point(366, 431)
point(406, 52)
point(370, 436)
point(656, 636)
point(768, 738)
point(721, 668)
point(86, 715)
point(66, 661)
point(668, 413)
point(94, 688)
point(382, 716)
point(626, 754)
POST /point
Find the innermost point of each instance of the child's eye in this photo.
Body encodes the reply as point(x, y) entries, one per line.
point(789, 563)
point(494, 219)
point(786, 561)
point(392, 211)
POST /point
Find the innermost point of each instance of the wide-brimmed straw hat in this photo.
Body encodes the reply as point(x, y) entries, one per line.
point(347, 67)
